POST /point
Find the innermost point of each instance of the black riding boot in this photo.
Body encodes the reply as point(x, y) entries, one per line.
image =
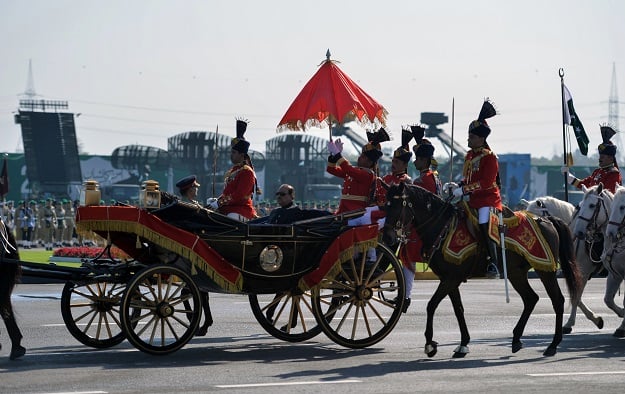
point(491, 247)
point(17, 350)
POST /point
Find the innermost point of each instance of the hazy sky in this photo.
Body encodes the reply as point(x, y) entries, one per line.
point(142, 71)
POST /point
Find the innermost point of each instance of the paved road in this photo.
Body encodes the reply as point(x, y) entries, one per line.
point(238, 357)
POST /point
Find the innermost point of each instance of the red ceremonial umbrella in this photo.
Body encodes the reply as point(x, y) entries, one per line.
point(331, 97)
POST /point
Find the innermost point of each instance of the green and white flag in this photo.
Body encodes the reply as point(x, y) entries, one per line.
point(571, 118)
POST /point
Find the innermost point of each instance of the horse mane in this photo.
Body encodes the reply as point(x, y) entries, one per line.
point(551, 206)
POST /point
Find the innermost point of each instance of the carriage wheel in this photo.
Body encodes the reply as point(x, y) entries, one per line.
point(90, 312)
point(361, 300)
point(287, 315)
point(153, 312)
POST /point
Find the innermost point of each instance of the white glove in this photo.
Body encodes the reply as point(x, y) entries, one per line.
point(451, 186)
point(570, 178)
point(564, 169)
point(458, 192)
point(333, 148)
point(212, 203)
point(339, 145)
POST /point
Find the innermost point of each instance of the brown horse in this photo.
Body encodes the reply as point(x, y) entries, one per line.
point(429, 214)
point(9, 274)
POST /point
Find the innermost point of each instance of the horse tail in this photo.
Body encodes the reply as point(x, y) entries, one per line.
point(566, 251)
point(9, 273)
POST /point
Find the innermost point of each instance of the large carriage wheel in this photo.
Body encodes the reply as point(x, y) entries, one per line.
point(287, 315)
point(361, 305)
point(154, 314)
point(90, 311)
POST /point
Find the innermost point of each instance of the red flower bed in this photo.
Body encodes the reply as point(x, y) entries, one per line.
point(88, 252)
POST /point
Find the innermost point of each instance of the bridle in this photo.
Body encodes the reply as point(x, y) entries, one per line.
point(407, 215)
point(593, 229)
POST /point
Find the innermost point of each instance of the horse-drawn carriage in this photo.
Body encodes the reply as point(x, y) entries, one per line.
point(301, 279)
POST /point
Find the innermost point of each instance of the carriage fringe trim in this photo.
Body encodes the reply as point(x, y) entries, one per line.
point(343, 254)
point(197, 261)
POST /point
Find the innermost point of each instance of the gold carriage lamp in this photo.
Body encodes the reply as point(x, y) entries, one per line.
point(90, 193)
point(271, 258)
point(150, 197)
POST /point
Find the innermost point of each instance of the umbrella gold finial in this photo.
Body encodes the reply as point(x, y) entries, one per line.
point(328, 54)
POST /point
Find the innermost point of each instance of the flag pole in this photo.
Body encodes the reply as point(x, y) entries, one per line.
point(215, 150)
point(566, 184)
point(451, 151)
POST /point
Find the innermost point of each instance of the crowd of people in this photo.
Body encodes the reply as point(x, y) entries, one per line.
point(45, 223)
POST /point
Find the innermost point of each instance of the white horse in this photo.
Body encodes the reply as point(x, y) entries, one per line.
point(551, 206)
point(591, 222)
point(614, 255)
point(588, 266)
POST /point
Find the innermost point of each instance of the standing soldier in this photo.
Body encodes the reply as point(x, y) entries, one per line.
point(60, 222)
point(240, 181)
point(481, 182)
point(70, 222)
point(27, 222)
point(608, 172)
point(50, 223)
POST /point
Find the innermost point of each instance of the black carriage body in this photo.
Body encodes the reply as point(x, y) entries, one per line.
point(241, 244)
point(235, 244)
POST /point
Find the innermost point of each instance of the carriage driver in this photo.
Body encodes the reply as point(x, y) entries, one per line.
point(481, 182)
point(608, 172)
point(188, 188)
point(360, 182)
point(240, 181)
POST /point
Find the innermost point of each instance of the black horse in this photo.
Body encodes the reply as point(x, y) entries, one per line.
point(9, 274)
point(429, 214)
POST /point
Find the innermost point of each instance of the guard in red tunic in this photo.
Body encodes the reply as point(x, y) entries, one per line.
point(608, 172)
point(481, 181)
point(240, 181)
point(359, 182)
point(399, 174)
point(427, 178)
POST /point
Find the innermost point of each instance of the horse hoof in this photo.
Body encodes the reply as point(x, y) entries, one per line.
point(431, 349)
point(600, 323)
point(516, 346)
point(550, 351)
point(567, 330)
point(619, 333)
point(17, 352)
point(460, 351)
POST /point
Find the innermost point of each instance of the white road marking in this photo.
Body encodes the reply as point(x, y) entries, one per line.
point(577, 373)
point(229, 386)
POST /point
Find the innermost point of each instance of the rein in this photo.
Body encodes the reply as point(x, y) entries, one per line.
point(402, 223)
point(593, 229)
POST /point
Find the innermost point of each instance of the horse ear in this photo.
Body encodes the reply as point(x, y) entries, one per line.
point(584, 189)
point(600, 188)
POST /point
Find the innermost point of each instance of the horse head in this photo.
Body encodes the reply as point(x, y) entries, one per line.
point(617, 214)
point(411, 205)
point(551, 206)
point(593, 213)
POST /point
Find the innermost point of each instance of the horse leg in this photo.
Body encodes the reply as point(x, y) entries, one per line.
point(620, 332)
point(17, 350)
point(456, 302)
point(441, 292)
point(612, 285)
point(589, 313)
point(518, 280)
point(208, 317)
point(550, 281)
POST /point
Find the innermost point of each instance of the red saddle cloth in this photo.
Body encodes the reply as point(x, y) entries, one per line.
point(522, 236)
